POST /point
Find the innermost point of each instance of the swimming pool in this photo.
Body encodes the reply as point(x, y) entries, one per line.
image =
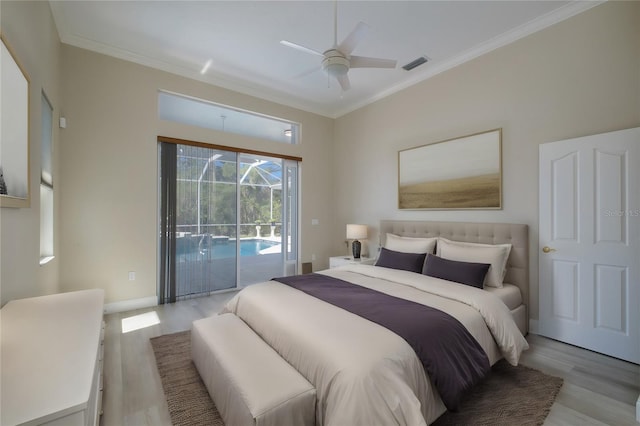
point(226, 249)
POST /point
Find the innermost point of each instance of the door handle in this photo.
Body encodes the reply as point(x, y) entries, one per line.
point(547, 249)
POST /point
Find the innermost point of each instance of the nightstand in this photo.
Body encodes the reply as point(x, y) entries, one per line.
point(336, 261)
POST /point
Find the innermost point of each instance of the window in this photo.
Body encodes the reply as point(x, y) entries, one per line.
point(200, 113)
point(46, 183)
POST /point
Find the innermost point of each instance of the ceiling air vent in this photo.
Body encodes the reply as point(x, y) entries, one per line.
point(415, 63)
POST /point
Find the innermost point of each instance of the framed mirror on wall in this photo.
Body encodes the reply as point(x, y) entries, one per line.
point(14, 130)
point(461, 173)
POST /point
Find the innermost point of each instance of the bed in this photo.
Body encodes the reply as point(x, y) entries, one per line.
point(366, 374)
point(516, 291)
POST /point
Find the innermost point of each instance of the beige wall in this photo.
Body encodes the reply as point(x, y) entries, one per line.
point(109, 170)
point(579, 77)
point(29, 30)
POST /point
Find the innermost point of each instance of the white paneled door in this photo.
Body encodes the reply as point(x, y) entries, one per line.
point(590, 242)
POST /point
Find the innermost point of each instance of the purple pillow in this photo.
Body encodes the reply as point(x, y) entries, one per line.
point(471, 274)
point(412, 262)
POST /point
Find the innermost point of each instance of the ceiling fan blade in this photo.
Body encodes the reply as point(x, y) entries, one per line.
point(355, 37)
point(344, 82)
point(365, 62)
point(300, 48)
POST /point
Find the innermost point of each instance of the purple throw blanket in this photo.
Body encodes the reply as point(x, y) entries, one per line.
point(451, 356)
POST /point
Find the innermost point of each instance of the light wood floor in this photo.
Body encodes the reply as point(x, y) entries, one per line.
point(598, 390)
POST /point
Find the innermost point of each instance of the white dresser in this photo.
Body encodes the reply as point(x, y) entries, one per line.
point(51, 359)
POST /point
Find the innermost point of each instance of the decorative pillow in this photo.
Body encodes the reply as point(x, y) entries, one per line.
point(494, 254)
point(410, 244)
point(471, 274)
point(397, 260)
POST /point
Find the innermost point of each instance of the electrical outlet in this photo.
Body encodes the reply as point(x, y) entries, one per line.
point(313, 257)
point(132, 276)
point(315, 222)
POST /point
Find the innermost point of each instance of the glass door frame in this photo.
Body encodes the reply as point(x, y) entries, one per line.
point(291, 192)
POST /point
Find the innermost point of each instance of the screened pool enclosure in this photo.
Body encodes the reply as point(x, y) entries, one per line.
point(228, 219)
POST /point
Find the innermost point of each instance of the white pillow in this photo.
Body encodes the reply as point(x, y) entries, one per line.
point(495, 254)
point(410, 244)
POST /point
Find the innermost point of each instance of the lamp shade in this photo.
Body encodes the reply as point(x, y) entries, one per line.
point(355, 232)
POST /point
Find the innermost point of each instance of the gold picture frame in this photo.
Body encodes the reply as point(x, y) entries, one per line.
point(455, 174)
point(15, 180)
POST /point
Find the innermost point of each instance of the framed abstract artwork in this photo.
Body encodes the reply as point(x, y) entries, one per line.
point(460, 173)
point(14, 131)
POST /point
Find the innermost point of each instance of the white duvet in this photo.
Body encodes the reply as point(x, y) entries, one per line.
point(363, 373)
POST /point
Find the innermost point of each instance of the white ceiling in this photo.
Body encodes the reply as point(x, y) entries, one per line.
point(242, 38)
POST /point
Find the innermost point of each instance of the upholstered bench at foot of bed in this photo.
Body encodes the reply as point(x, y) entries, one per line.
point(247, 379)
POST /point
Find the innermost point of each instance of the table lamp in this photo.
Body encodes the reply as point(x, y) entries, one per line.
point(355, 232)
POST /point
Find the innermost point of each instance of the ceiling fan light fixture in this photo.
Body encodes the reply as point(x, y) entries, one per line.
point(336, 70)
point(335, 65)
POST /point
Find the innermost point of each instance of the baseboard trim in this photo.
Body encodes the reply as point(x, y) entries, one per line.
point(533, 326)
point(130, 305)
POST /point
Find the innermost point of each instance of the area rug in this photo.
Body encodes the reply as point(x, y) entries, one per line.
point(187, 397)
point(509, 396)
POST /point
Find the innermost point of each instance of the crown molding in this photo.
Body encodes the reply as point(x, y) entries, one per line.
point(212, 77)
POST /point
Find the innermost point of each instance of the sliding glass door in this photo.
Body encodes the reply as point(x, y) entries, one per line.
point(235, 219)
point(206, 220)
point(260, 180)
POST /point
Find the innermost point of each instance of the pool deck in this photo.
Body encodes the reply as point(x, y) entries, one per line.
point(207, 275)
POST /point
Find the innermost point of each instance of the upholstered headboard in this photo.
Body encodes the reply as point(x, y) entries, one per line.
point(488, 233)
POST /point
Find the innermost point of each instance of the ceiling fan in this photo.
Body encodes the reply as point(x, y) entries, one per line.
point(337, 60)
